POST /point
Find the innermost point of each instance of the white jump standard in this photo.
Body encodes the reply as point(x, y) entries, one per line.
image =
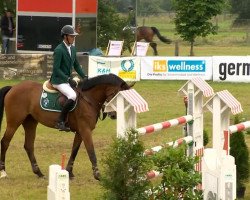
point(218, 168)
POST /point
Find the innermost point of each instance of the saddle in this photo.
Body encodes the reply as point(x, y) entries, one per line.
point(51, 99)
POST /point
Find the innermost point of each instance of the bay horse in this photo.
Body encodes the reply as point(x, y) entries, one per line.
point(22, 107)
point(147, 33)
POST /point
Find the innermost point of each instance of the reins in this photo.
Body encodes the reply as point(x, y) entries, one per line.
point(94, 104)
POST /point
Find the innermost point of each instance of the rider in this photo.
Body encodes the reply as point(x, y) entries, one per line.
point(64, 61)
point(131, 20)
point(131, 16)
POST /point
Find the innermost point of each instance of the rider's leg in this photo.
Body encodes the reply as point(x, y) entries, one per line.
point(63, 115)
point(71, 95)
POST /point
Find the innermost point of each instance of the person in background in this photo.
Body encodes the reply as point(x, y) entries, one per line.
point(7, 29)
point(131, 16)
point(64, 62)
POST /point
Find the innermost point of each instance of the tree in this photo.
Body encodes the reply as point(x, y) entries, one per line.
point(109, 24)
point(8, 4)
point(193, 18)
point(146, 7)
point(242, 8)
point(166, 5)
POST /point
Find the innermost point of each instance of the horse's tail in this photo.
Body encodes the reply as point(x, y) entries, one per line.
point(162, 38)
point(3, 92)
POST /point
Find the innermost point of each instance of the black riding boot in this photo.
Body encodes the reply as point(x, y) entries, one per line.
point(61, 122)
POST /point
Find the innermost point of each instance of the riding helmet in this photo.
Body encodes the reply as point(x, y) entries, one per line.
point(68, 30)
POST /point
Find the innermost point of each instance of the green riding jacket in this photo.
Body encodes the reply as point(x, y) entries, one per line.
point(64, 64)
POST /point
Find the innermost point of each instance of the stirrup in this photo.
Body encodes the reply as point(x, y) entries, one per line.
point(61, 126)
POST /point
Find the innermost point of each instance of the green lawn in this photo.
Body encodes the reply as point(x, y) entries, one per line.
point(164, 104)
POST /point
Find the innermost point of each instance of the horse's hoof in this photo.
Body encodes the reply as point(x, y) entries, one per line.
point(71, 176)
point(97, 175)
point(3, 174)
point(40, 175)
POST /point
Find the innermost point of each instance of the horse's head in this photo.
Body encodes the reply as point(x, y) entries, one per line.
point(105, 87)
point(116, 85)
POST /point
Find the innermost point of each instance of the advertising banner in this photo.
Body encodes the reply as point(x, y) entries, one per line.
point(126, 68)
point(176, 68)
point(231, 68)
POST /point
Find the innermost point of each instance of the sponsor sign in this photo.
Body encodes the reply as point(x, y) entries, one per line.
point(176, 68)
point(140, 49)
point(231, 68)
point(126, 68)
point(114, 48)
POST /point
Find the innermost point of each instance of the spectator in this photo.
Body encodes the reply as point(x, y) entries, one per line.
point(7, 29)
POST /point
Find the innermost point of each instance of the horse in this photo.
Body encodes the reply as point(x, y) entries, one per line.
point(147, 33)
point(22, 107)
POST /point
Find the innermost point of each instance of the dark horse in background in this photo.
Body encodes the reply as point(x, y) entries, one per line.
point(147, 33)
point(22, 107)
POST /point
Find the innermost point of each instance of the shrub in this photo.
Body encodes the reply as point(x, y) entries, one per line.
point(179, 177)
point(239, 150)
point(205, 138)
point(125, 168)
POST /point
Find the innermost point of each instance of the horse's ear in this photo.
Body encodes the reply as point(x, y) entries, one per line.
point(131, 84)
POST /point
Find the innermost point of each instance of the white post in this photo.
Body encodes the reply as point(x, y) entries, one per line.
point(121, 122)
point(216, 123)
point(195, 108)
point(58, 188)
point(131, 122)
point(221, 117)
point(190, 111)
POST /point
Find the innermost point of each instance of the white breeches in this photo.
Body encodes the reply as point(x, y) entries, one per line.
point(65, 89)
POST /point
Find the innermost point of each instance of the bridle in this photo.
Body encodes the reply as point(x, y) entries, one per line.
point(91, 101)
point(108, 99)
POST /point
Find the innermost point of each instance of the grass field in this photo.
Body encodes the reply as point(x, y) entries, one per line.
point(164, 103)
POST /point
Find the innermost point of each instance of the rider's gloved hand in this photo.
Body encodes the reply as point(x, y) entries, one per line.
point(72, 82)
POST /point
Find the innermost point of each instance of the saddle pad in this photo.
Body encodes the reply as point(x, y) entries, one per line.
point(50, 102)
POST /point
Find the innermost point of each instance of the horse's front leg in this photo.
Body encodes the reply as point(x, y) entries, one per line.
point(75, 148)
point(86, 135)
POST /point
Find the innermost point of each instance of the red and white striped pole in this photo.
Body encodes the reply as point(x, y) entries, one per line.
point(173, 144)
point(163, 125)
point(233, 129)
point(239, 127)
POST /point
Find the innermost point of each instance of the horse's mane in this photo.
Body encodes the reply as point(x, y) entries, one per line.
point(103, 79)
